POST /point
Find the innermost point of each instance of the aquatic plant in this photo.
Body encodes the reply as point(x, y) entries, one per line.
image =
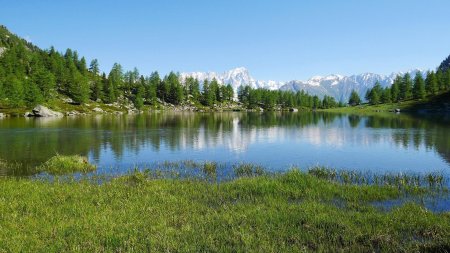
point(210, 169)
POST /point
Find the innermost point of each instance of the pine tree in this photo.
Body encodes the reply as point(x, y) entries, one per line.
point(14, 91)
point(395, 89)
point(243, 94)
point(440, 80)
point(81, 65)
point(163, 90)
point(109, 95)
point(386, 97)
point(79, 88)
point(138, 99)
point(354, 98)
point(153, 83)
point(193, 87)
point(374, 94)
point(175, 90)
point(406, 88)
point(447, 79)
point(32, 93)
point(45, 82)
point(95, 81)
point(419, 91)
point(230, 93)
point(115, 78)
point(96, 88)
point(94, 67)
point(208, 95)
point(431, 84)
point(215, 89)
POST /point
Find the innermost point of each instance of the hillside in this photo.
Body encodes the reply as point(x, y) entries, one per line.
point(65, 82)
point(434, 104)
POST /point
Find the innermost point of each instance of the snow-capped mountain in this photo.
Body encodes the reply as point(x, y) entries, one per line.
point(340, 87)
point(236, 77)
point(337, 86)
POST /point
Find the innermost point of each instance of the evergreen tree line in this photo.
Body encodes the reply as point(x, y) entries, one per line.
point(30, 76)
point(405, 87)
point(269, 99)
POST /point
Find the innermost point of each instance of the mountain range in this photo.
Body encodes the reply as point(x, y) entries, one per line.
point(337, 86)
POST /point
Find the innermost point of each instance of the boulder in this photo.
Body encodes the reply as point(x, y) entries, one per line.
point(397, 110)
point(293, 109)
point(42, 111)
point(2, 115)
point(99, 110)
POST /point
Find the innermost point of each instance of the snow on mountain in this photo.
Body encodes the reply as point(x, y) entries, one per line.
point(337, 86)
point(340, 87)
point(236, 77)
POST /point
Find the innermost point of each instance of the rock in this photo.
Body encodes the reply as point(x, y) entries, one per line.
point(99, 110)
point(293, 109)
point(28, 114)
point(397, 110)
point(2, 115)
point(72, 113)
point(42, 111)
point(67, 100)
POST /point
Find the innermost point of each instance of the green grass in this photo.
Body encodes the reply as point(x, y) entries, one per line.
point(431, 104)
point(291, 212)
point(60, 165)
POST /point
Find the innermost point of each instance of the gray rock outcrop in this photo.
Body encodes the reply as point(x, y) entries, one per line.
point(42, 111)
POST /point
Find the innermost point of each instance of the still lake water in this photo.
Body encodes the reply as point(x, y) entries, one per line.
point(382, 143)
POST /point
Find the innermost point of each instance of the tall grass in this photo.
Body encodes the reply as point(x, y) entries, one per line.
point(182, 206)
point(290, 212)
point(401, 180)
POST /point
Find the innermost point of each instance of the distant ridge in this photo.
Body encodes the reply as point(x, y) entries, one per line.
point(337, 86)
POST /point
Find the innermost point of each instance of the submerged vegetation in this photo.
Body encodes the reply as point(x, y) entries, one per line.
point(147, 210)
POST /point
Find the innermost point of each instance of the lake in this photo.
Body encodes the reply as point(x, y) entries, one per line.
point(275, 140)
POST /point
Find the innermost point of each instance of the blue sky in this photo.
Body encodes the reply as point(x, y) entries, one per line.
point(276, 40)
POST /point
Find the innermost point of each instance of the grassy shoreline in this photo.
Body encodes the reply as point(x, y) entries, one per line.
point(291, 212)
point(435, 104)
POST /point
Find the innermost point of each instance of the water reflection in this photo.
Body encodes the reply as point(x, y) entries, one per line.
point(271, 139)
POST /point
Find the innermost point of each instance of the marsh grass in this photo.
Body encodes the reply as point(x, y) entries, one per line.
point(11, 168)
point(248, 170)
point(434, 180)
point(60, 165)
point(182, 206)
point(144, 211)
